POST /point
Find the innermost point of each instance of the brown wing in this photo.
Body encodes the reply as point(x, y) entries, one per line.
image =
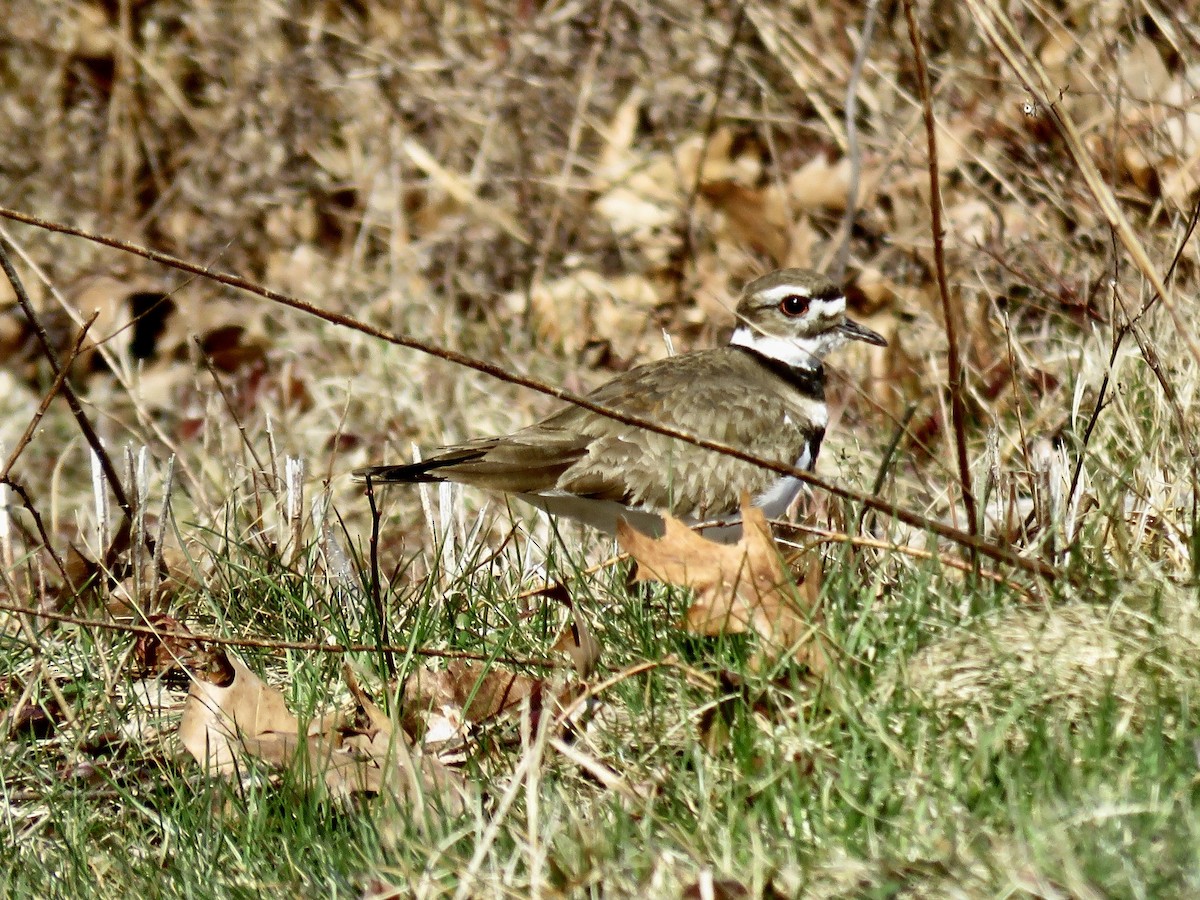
point(521, 463)
point(716, 394)
point(720, 395)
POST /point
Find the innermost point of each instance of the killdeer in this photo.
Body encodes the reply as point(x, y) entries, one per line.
point(763, 393)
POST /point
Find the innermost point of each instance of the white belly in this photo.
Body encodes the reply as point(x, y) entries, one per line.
point(776, 499)
point(600, 514)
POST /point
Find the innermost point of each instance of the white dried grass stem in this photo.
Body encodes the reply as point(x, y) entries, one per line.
point(446, 537)
point(163, 515)
point(293, 467)
point(6, 549)
point(100, 501)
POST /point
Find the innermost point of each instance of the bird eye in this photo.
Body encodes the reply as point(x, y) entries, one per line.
point(794, 305)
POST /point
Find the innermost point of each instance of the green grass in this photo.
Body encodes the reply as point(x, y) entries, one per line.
point(1049, 770)
point(969, 740)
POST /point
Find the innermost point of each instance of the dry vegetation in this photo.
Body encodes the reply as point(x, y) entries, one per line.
point(553, 187)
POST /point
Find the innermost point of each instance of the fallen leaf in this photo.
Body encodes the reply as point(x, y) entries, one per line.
point(754, 216)
point(372, 756)
point(172, 650)
point(739, 588)
point(230, 347)
point(585, 306)
point(821, 184)
point(463, 693)
point(231, 715)
point(1138, 167)
point(577, 642)
point(1144, 75)
point(33, 719)
point(220, 714)
point(621, 130)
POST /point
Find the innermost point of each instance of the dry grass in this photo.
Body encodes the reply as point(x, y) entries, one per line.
point(551, 187)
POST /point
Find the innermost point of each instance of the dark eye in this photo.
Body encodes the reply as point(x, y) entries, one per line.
point(794, 305)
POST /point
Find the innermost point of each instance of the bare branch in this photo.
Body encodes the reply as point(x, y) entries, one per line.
point(951, 307)
point(971, 541)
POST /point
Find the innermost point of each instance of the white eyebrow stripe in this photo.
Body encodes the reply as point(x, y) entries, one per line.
point(775, 294)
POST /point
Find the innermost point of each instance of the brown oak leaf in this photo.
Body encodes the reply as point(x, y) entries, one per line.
point(742, 587)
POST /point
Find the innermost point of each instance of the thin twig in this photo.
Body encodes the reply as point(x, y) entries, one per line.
point(838, 269)
point(121, 540)
point(272, 644)
point(710, 128)
point(48, 398)
point(889, 454)
point(828, 536)
point(376, 593)
point(56, 365)
point(951, 309)
point(19, 489)
point(973, 542)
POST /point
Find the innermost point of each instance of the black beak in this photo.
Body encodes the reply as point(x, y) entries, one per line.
point(852, 329)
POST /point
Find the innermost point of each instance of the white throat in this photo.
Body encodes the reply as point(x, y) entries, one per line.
point(799, 353)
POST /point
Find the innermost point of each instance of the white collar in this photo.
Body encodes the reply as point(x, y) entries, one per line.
point(798, 353)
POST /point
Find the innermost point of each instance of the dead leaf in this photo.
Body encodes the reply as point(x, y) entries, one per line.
point(642, 194)
point(739, 588)
point(621, 131)
point(230, 347)
point(1057, 50)
point(170, 651)
point(754, 216)
point(1138, 167)
point(577, 642)
point(220, 714)
point(238, 716)
point(463, 693)
point(821, 184)
point(38, 720)
point(585, 306)
point(1144, 74)
point(442, 707)
point(373, 756)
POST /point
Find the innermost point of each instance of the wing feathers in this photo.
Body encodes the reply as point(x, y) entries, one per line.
point(724, 395)
point(526, 462)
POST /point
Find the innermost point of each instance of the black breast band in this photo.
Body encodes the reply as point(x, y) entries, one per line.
point(810, 382)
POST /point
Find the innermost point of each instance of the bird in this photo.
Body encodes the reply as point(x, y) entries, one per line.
point(763, 393)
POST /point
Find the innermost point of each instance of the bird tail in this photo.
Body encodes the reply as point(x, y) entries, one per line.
point(418, 472)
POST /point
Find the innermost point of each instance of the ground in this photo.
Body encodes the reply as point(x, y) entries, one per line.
point(558, 191)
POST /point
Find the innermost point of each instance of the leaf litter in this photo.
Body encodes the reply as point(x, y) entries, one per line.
point(740, 588)
point(232, 716)
point(1133, 85)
